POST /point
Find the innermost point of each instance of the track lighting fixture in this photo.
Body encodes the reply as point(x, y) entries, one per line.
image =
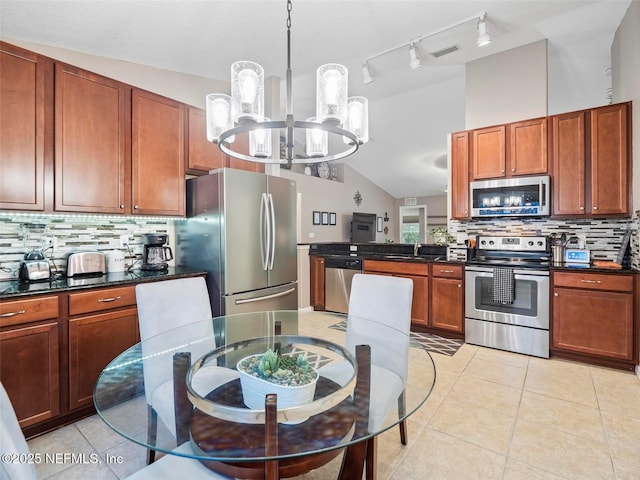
point(366, 74)
point(414, 57)
point(483, 35)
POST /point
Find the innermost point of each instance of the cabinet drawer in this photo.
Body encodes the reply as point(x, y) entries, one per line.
point(405, 268)
point(447, 271)
point(103, 299)
point(30, 310)
point(594, 281)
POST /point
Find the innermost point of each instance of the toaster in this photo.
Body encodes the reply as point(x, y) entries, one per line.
point(84, 263)
point(34, 270)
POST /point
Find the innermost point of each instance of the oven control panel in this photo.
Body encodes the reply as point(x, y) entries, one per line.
point(512, 243)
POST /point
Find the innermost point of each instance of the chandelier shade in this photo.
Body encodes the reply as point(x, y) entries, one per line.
point(357, 119)
point(243, 113)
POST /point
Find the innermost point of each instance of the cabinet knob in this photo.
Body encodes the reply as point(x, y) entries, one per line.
point(555, 294)
point(581, 208)
point(501, 171)
point(135, 207)
point(595, 208)
point(513, 169)
point(122, 206)
point(459, 285)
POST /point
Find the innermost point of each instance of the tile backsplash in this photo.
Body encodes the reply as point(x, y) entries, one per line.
point(21, 233)
point(603, 237)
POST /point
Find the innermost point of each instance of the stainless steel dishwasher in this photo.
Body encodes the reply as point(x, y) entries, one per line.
point(339, 270)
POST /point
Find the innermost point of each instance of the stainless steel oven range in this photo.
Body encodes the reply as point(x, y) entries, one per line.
point(507, 294)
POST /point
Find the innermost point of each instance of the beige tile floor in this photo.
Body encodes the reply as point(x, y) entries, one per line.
point(492, 415)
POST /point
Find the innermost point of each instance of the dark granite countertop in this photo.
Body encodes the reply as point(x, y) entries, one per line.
point(590, 268)
point(15, 288)
point(382, 251)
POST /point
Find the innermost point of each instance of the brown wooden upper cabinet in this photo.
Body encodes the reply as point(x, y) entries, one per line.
point(201, 154)
point(22, 116)
point(460, 175)
point(610, 194)
point(591, 162)
point(518, 148)
point(157, 155)
point(91, 138)
point(488, 157)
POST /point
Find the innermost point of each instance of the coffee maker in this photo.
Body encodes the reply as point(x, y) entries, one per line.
point(155, 254)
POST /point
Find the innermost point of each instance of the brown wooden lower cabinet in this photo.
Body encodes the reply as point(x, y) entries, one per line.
point(29, 369)
point(29, 360)
point(447, 302)
point(593, 318)
point(418, 273)
point(94, 341)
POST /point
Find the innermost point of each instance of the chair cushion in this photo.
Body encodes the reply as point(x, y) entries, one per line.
point(175, 466)
point(13, 442)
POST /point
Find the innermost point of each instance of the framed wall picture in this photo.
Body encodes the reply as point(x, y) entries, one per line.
point(332, 218)
point(325, 218)
point(316, 218)
point(379, 224)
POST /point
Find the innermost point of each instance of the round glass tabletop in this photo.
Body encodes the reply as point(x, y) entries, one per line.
point(187, 379)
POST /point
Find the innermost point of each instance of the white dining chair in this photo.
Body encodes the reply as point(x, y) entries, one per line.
point(13, 443)
point(179, 305)
point(386, 300)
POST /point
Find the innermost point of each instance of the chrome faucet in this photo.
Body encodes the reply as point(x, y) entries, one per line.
point(416, 246)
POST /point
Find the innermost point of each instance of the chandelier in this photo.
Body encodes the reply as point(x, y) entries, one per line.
point(242, 112)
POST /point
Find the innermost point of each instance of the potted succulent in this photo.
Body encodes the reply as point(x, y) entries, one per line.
point(291, 377)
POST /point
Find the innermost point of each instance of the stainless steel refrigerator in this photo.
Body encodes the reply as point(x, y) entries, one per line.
point(241, 229)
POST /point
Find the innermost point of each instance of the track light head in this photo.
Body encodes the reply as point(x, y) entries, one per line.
point(366, 74)
point(414, 57)
point(483, 35)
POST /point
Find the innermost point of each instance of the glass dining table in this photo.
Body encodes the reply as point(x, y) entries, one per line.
point(184, 387)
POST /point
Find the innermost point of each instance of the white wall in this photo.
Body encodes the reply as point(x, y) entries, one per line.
point(625, 73)
point(322, 195)
point(507, 87)
point(189, 89)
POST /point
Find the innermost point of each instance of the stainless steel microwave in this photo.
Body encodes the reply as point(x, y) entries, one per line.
point(511, 197)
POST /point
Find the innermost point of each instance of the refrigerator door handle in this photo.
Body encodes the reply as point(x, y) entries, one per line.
point(264, 239)
point(266, 297)
point(272, 220)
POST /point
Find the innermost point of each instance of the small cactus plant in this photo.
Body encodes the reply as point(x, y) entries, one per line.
point(290, 370)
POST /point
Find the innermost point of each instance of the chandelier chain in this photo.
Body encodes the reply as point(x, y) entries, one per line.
point(289, 7)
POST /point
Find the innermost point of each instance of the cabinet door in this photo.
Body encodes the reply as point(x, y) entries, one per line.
point(420, 299)
point(609, 160)
point(91, 139)
point(460, 175)
point(447, 302)
point(528, 147)
point(29, 371)
point(583, 322)
point(90, 351)
point(201, 154)
point(317, 282)
point(568, 139)
point(22, 116)
point(158, 178)
point(488, 153)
